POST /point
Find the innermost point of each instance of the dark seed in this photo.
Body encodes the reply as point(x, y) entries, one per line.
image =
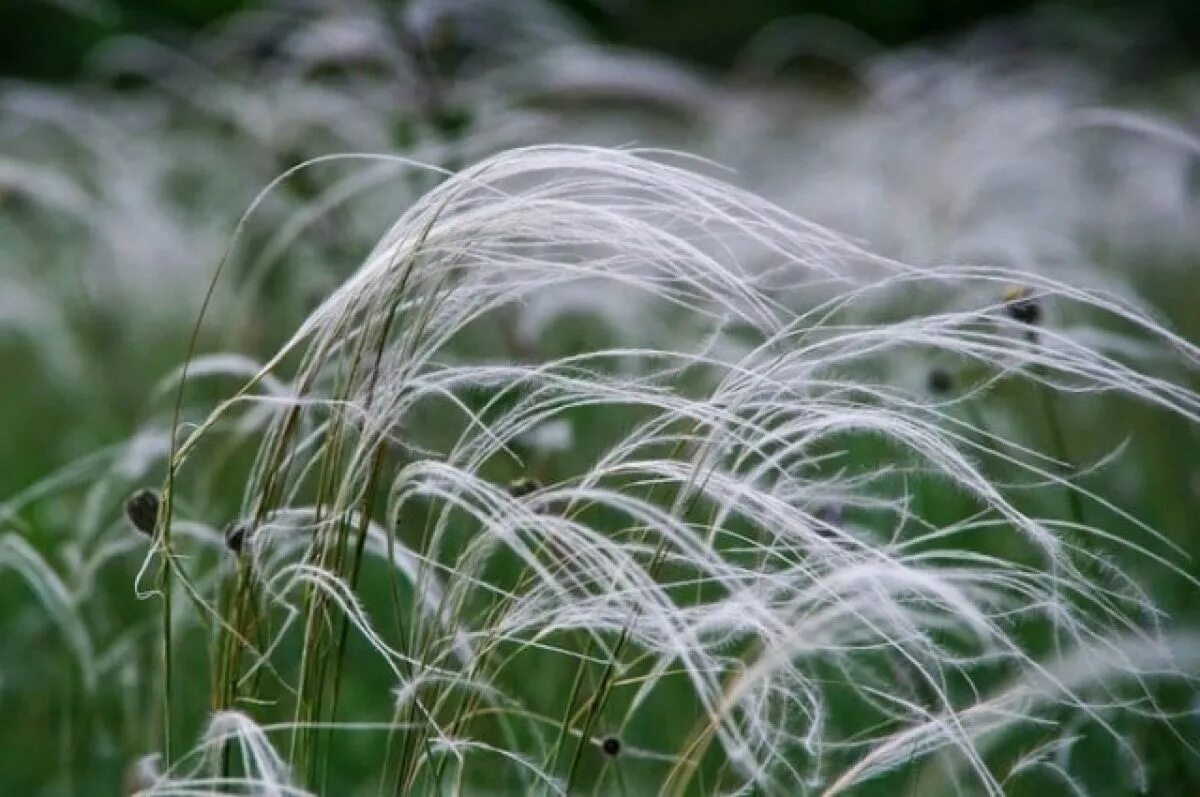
point(235, 535)
point(1027, 311)
point(142, 510)
point(940, 382)
point(523, 486)
point(1021, 305)
point(611, 746)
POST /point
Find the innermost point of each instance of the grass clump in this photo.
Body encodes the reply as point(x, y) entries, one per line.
point(678, 560)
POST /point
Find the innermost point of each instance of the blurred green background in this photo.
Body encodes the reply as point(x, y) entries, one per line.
point(48, 39)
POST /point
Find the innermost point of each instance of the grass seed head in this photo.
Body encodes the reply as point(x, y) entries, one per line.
point(519, 488)
point(939, 381)
point(235, 536)
point(611, 746)
point(142, 510)
point(1021, 305)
